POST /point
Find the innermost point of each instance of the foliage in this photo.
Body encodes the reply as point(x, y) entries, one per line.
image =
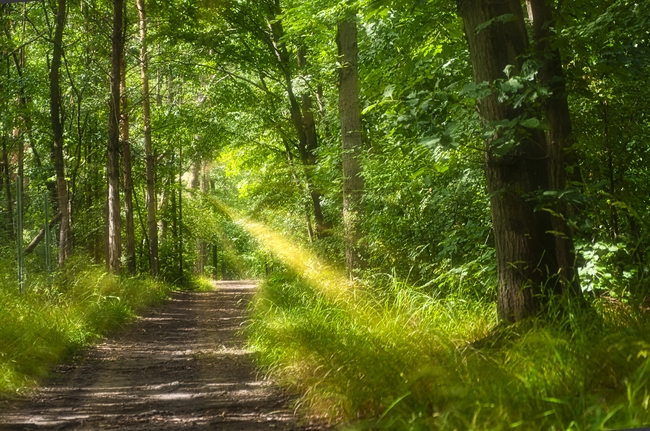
point(398, 358)
point(50, 322)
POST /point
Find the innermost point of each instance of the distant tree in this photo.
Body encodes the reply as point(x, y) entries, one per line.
point(152, 226)
point(65, 233)
point(113, 171)
point(352, 142)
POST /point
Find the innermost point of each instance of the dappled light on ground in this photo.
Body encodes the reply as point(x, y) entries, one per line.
point(328, 280)
point(183, 365)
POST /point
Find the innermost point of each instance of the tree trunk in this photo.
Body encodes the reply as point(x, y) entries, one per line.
point(128, 178)
point(215, 261)
point(559, 138)
point(195, 181)
point(311, 142)
point(352, 143)
point(303, 122)
point(527, 263)
point(114, 231)
point(6, 179)
point(65, 239)
point(298, 183)
point(202, 245)
point(152, 227)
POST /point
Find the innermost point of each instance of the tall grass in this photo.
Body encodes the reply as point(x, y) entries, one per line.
point(46, 323)
point(399, 359)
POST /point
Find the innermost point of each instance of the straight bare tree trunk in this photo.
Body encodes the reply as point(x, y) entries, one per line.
point(65, 238)
point(114, 231)
point(127, 176)
point(201, 244)
point(152, 226)
point(527, 263)
point(6, 180)
point(351, 138)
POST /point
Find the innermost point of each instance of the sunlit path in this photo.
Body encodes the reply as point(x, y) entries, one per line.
point(183, 365)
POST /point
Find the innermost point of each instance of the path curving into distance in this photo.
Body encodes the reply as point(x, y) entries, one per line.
point(182, 365)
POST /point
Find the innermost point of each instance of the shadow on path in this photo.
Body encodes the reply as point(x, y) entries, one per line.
point(181, 366)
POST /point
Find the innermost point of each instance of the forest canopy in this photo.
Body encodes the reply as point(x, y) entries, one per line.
point(471, 150)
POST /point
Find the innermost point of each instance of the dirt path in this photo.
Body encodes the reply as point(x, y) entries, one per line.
point(181, 366)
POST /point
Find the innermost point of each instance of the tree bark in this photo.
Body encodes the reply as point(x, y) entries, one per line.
point(65, 237)
point(311, 142)
point(559, 138)
point(127, 176)
point(527, 263)
point(303, 122)
point(201, 244)
point(40, 235)
point(6, 179)
point(114, 231)
point(152, 226)
point(352, 143)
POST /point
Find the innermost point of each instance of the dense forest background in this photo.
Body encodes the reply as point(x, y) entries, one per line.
point(226, 139)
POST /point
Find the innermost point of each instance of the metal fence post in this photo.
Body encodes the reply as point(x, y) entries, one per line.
point(19, 229)
point(48, 263)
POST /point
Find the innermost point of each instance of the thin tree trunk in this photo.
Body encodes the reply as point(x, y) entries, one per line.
point(114, 231)
point(128, 178)
point(311, 142)
point(195, 181)
point(201, 244)
point(152, 227)
point(527, 263)
point(352, 143)
point(65, 243)
point(6, 179)
point(296, 180)
point(41, 234)
point(303, 122)
point(559, 137)
point(215, 261)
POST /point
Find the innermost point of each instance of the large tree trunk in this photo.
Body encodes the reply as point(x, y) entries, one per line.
point(152, 227)
point(352, 143)
point(527, 262)
point(65, 237)
point(128, 178)
point(559, 137)
point(114, 239)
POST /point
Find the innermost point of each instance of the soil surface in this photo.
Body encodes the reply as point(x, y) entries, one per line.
point(182, 365)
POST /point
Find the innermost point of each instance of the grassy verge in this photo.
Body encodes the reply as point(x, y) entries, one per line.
point(396, 358)
point(42, 326)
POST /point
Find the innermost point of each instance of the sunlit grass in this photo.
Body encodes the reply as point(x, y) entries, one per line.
point(391, 356)
point(404, 359)
point(42, 326)
point(330, 281)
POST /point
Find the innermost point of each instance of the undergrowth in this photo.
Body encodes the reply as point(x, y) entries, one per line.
point(50, 321)
point(398, 358)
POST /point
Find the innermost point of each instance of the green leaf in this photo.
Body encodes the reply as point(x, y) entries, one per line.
point(531, 123)
point(508, 17)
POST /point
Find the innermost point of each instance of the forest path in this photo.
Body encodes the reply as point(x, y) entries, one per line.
point(182, 365)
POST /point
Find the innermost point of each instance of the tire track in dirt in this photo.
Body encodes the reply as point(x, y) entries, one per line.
point(182, 365)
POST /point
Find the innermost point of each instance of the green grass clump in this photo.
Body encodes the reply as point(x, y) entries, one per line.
point(43, 325)
point(397, 358)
